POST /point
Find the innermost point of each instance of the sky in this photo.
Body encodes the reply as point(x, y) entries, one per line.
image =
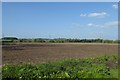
point(60, 20)
point(60, 0)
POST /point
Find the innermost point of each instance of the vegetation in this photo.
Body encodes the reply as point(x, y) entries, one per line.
point(64, 40)
point(57, 40)
point(9, 40)
point(98, 67)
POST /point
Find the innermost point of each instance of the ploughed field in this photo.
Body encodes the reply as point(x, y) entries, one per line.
point(36, 53)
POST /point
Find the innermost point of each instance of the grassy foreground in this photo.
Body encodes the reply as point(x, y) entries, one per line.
point(98, 67)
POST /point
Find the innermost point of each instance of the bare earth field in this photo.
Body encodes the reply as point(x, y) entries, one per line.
point(44, 52)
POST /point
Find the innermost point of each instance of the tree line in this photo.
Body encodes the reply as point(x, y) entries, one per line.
point(56, 40)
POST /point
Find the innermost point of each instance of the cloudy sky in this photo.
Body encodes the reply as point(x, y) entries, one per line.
point(60, 20)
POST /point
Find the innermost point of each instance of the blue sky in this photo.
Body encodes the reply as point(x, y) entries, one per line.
point(60, 0)
point(60, 20)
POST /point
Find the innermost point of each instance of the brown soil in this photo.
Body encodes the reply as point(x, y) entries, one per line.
point(45, 52)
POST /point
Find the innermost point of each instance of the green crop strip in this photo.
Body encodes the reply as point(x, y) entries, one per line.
point(98, 67)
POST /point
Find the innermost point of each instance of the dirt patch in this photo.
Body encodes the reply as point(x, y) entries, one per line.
point(45, 52)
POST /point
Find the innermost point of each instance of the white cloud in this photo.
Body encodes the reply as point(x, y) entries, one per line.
point(105, 25)
point(115, 6)
point(102, 14)
point(90, 24)
point(94, 25)
point(99, 15)
point(111, 24)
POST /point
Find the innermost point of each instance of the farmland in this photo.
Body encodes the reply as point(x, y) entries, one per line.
point(60, 60)
point(45, 52)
